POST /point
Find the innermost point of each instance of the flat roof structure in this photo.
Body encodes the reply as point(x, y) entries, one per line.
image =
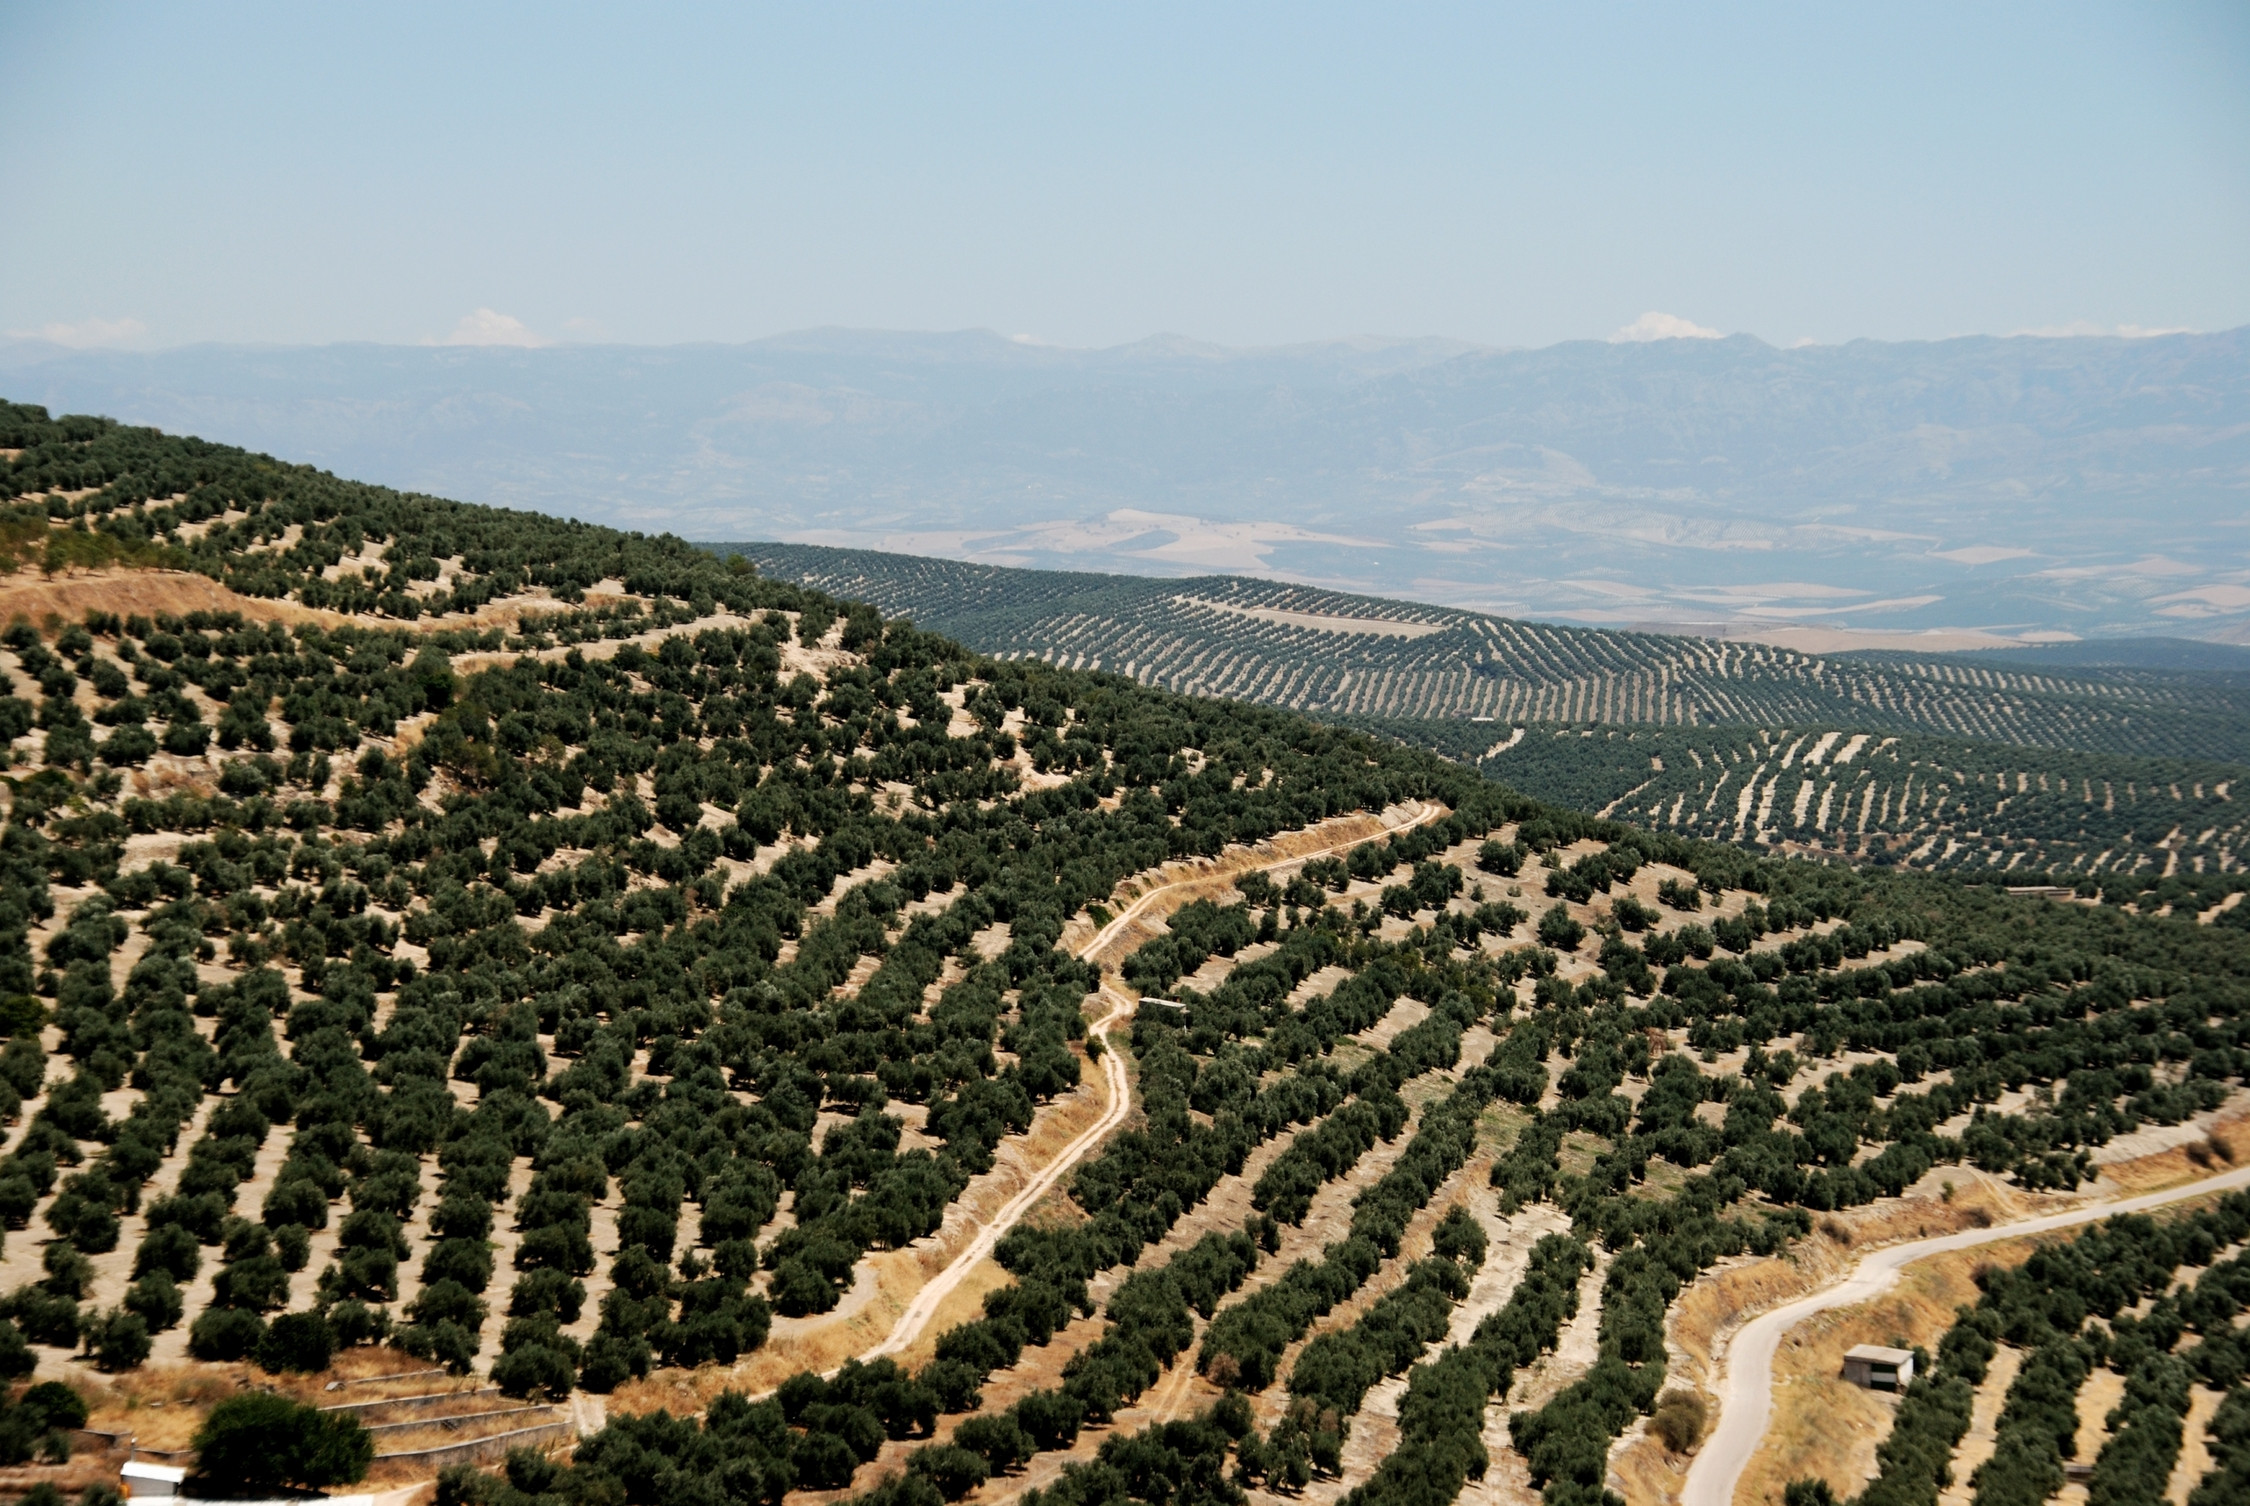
point(151, 1482)
point(1878, 1367)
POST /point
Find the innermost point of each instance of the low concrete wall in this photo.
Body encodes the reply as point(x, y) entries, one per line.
point(523, 1414)
point(422, 1402)
point(484, 1450)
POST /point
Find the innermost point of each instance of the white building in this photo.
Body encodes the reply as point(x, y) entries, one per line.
point(1878, 1368)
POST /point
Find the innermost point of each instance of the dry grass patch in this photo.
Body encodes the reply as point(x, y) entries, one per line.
point(88, 1469)
point(1579, 1152)
point(124, 591)
point(162, 1406)
point(1713, 1307)
point(403, 1482)
point(2226, 1144)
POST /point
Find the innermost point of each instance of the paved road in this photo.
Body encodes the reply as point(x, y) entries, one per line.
point(1746, 1385)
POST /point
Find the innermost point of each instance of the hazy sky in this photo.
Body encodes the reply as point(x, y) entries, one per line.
point(1091, 175)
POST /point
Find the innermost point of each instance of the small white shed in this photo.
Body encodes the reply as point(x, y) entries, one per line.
point(151, 1482)
point(1878, 1368)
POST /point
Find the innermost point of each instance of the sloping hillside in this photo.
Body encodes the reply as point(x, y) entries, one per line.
point(1924, 801)
point(798, 1054)
point(1335, 654)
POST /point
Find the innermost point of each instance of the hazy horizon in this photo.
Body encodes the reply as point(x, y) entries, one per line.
point(509, 334)
point(2018, 487)
point(1901, 318)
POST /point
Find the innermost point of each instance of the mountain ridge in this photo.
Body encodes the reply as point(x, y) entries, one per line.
point(2088, 485)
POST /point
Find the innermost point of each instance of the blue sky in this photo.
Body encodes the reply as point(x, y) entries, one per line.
point(1092, 175)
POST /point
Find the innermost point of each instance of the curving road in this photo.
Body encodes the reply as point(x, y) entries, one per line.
point(924, 1307)
point(1746, 1384)
point(926, 1301)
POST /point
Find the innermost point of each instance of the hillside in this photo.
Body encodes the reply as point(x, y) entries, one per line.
point(1923, 801)
point(1334, 654)
point(795, 1054)
point(2059, 484)
point(1648, 727)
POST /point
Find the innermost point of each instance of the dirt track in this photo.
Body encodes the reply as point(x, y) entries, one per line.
point(927, 1301)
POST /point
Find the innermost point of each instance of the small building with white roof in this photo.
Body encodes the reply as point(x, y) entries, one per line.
point(1879, 1368)
point(151, 1482)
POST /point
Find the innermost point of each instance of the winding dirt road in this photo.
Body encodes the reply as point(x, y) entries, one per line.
point(1746, 1385)
point(926, 1302)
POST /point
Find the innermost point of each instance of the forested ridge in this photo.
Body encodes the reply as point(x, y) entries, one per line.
point(568, 957)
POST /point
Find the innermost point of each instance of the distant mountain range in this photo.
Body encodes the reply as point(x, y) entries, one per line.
point(2023, 487)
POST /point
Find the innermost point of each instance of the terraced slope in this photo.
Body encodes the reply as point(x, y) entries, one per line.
point(599, 967)
point(1334, 654)
point(1924, 801)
